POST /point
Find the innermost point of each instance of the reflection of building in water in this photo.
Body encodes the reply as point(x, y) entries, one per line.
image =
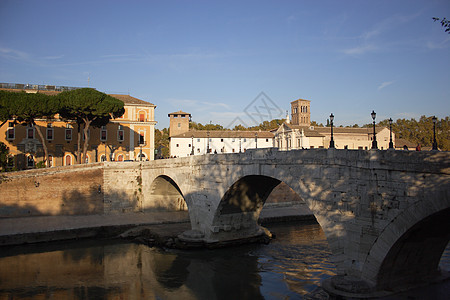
point(292, 265)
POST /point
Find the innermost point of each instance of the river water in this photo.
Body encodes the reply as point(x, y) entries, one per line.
point(291, 266)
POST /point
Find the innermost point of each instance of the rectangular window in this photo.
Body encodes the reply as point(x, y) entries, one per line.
point(178, 145)
point(30, 132)
point(221, 140)
point(245, 140)
point(68, 134)
point(11, 132)
point(120, 137)
point(189, 146)
point(103, 134)
point(198, 140)
point(49, 132)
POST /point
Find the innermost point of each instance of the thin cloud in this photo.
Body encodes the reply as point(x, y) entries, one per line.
point(53, 57)
point(445, 43)
point(376, 34)
point(385, 84)
point(197, 105)
point(14, 54)
point(359, 50)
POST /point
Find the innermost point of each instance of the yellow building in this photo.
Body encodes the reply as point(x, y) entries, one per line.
point(124, 138)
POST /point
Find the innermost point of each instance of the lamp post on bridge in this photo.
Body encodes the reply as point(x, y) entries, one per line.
point(331, 123)
point(256, 139)
point(207, 147)
point(192, 150)
point(391, 144)
point(374, 141)
point(435, 148)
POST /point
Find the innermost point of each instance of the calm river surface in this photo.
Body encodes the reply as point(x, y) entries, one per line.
point(289, 267)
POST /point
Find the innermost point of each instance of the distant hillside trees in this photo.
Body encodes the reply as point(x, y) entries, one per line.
point(162, 143)
point(421, 131)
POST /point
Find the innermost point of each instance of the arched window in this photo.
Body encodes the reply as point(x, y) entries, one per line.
point(120, 157)
point(68, 160)
point(141, 116)
point(102, 157)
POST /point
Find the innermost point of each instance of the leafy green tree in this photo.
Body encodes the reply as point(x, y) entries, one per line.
point(200, 126)
point(88, 107)
point(4, 151)
point(162, 142)
point(239, 128)
point(5, 112)
point(421, 132)
point(26, 108)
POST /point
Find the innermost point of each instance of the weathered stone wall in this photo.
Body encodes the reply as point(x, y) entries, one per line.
point(122, 187)
point(282, 194)
point(75, 190)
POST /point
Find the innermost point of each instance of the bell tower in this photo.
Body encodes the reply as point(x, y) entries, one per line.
point(301, 113)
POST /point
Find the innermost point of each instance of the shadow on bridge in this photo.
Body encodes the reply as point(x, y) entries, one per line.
point(386, 222)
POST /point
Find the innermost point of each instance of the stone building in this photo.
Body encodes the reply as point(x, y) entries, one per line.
point(298, 134)
point(130, 137)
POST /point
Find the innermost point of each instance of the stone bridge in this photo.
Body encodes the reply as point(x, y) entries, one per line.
point(386, 214)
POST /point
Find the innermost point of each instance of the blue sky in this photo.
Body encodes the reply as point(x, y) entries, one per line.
point(214, 58)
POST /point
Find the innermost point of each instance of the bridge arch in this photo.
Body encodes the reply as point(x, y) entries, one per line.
point(164, 195)
point(240, 206)
point(410, 247)
point(248, 194)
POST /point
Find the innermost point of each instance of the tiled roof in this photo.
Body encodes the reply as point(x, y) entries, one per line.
point(301, 100)
point(127, 99)
point(225, 134)
point(180, 112)
point(306, 130)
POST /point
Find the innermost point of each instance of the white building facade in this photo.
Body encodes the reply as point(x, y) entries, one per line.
point(215, 142)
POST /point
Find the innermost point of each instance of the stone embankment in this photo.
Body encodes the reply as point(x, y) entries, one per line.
point(149, 227)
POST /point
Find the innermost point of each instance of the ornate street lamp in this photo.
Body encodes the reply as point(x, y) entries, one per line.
point(256, 139)
point(391, 144)
point(435, 148)
point(374, 141)
point(192, 151)
point(331, 122)
point(207, 147)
